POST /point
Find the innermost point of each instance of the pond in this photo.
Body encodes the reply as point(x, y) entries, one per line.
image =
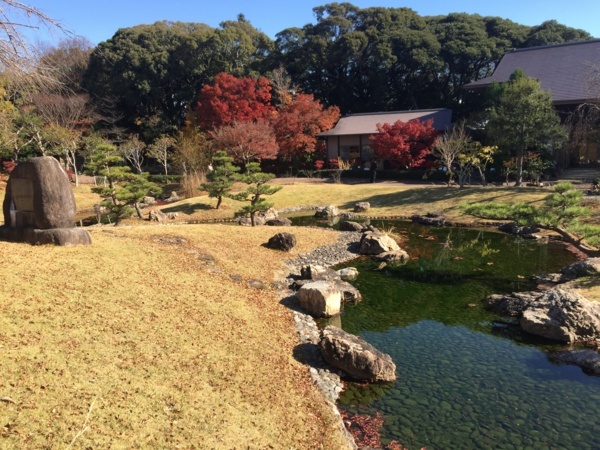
point(467, 378)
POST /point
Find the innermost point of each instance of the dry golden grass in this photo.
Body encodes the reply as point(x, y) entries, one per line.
point(589, 287)
point(134, 343)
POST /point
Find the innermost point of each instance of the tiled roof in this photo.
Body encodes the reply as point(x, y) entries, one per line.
point(565, 70)
point(365, 123)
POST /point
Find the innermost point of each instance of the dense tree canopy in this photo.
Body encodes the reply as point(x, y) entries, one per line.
point(381, 59)
point(359, 59)
point(151, 74)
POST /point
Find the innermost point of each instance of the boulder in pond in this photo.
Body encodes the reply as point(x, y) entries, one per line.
point(434, 219)
point(587, 267)
point(327, 212)
point(396, 256)
point(349, 292)
point(514, 228)
point(562, 315)
point(260, 218)
point(355, 357)
point(374, 243)
point(588, 360)
point(320, 298)
point(348, 225)
point(348, 273)
point(279, 222)
point(282, 241)
point(512, 304)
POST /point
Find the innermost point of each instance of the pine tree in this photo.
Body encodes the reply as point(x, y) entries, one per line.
point(122, 189)
point(221, 178)
point(258, 187)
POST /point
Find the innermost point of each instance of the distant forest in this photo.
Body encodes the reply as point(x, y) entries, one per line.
point(360, 59)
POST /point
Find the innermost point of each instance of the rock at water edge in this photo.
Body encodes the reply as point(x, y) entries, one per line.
point(355, 357)
point(320, 299)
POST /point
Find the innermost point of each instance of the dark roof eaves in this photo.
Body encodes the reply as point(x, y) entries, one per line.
point(564, 44)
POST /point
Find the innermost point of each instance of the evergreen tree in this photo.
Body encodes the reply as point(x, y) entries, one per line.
point(258, 187)
point(221, 178)
point(524, 119)
point(122, 189)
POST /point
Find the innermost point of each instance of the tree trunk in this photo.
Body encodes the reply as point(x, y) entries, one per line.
point(519, 175)
point(573, 240)
point(219, 200)
point(252, 218)
point(450, 177)
point(482, 176)
point(138, 210)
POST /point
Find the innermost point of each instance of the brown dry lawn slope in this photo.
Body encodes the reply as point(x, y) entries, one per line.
point(134, 343)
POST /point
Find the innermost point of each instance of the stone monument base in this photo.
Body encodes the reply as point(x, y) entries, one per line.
point(54, 236)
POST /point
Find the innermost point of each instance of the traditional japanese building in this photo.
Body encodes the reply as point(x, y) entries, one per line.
point(349, 139)
point(571, 73)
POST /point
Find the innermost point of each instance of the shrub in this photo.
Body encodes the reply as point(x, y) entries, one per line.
point(189, 183)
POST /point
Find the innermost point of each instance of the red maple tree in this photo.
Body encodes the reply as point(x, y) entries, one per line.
point(232, 99)
point(247, 141)
point(298, 123)
point(404, 144)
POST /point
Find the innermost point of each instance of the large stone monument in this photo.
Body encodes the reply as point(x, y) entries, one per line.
point(39, 206)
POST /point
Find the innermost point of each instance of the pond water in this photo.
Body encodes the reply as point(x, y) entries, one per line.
point(467, 378)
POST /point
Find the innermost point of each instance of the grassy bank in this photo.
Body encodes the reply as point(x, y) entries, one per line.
point(135, 343)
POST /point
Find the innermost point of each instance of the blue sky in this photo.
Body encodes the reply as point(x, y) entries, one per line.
point(98, 20)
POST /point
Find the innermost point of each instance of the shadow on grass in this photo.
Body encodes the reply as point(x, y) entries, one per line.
point(452, 196)
point(188, 208)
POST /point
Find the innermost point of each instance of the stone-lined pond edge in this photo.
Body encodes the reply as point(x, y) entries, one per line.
point(326, 378)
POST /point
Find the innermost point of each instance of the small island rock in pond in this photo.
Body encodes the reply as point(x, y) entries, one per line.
point(279, 222)
point(373, 243)
point(327, 212)
point(320, 298)
point(395, 256)
point(348, 273)
point(355, 357)
point(348, 225)
point(39, 206)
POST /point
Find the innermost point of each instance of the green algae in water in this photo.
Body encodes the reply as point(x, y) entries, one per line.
point(467, 378)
